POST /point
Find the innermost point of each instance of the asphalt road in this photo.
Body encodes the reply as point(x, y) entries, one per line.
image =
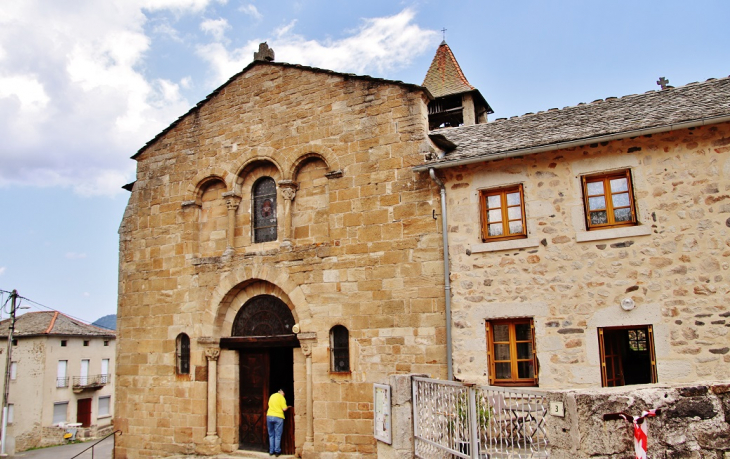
point(103, 450)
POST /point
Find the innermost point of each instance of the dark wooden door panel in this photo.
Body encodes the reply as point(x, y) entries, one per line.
point(254, 394)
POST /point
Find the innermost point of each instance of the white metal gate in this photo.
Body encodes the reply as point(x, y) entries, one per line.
point(453, 419)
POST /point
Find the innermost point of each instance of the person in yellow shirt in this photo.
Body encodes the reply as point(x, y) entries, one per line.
point(275, 421)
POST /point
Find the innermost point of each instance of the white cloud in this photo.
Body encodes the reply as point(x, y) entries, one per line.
point(75, 256)
point(86, 294)
point(251, 10)
point(74, 101)
point(215, 27)
point(76, 95)
point(378, 46)
point(2, 270)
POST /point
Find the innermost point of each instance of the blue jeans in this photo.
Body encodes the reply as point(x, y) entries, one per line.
point(275, 426)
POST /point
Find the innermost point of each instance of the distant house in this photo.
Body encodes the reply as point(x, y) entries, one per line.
point(60, 373)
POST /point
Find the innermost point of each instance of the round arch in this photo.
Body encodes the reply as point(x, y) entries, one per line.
point(263, 315)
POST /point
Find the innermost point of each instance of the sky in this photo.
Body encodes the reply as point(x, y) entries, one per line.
point(84, 84)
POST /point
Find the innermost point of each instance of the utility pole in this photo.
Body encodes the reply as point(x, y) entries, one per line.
point(8, 359)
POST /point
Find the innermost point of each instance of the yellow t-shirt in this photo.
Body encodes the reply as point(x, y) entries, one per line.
point(277, 405)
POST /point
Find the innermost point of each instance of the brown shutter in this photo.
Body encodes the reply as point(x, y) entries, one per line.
point(490, 357)
point(652, 356)
point(602, 351)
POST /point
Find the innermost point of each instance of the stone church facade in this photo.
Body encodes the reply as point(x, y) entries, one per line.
point(278, 237)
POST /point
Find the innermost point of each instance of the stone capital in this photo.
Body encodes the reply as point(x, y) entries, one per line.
point(307, 340)
point(288, 189)
point(232, 200)
point(212, 354)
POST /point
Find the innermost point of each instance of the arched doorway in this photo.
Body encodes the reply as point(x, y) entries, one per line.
point(262, 334)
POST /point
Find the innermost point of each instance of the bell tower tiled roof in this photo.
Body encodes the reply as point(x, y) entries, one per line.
point(444, 77)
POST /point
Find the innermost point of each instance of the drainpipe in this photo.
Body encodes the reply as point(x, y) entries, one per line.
point(447, 282)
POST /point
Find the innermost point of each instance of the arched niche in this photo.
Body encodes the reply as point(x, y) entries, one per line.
point(310, 211)
point(213, 219)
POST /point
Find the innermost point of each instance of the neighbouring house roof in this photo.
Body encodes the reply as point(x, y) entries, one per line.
point(52, 323)
point(410, 86)
point(692, 105)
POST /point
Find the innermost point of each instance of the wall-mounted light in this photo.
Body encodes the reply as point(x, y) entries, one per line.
point(627, 304)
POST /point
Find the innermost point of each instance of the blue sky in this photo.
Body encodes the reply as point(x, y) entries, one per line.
point(85, 83)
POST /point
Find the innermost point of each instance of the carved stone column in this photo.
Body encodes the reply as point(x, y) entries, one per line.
point(232, 202)
point(306, 341)
point(288, 192)
point(212, 441)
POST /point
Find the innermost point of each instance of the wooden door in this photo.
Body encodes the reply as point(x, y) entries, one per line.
point(254, 397)
point(83, 412)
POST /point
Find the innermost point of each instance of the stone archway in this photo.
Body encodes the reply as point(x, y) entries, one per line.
point(262, 334)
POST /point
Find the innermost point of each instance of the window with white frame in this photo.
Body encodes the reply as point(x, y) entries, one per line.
point(13, 371)
point(105, 371)
point(61, 375)
point(59, 412)
point(104, 404)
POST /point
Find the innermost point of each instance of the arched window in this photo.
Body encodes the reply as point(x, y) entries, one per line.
point(182, 354)
point(339, 350)
point(264, 210)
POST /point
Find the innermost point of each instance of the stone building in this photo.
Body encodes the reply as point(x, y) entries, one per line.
point(589, 245)
point(60, 373)
point(278, 237)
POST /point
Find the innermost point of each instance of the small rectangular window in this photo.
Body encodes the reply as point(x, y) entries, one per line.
point(15, 342)
point(59, 412)
point(86, 342)
point(13, 371)
point(104, 404)
point(63, 343)
point(511, 352)
point(11, 413)
point(503, 213)
point(609, 200)
point(106, 342)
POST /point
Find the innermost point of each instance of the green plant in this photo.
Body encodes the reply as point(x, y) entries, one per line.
point(461, 416)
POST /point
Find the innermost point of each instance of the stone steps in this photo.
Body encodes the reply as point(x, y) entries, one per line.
point(239, 455)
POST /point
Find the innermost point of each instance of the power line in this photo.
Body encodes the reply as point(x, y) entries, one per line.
point(41, 305)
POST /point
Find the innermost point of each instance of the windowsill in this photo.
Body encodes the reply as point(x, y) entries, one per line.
point(497, 246)
point(106, 416)
point(340, 375)
point(613, 233)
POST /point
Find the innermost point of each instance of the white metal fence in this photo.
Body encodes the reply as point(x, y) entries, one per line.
point(453, 419)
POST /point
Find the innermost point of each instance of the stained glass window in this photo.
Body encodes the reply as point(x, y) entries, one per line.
point(264, 210)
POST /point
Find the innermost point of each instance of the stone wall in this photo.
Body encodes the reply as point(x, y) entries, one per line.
point(694, 422)
point(360, 249)
point(673, 265)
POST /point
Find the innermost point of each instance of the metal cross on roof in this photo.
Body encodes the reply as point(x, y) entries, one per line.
point(663, 82)
point(443, 31)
